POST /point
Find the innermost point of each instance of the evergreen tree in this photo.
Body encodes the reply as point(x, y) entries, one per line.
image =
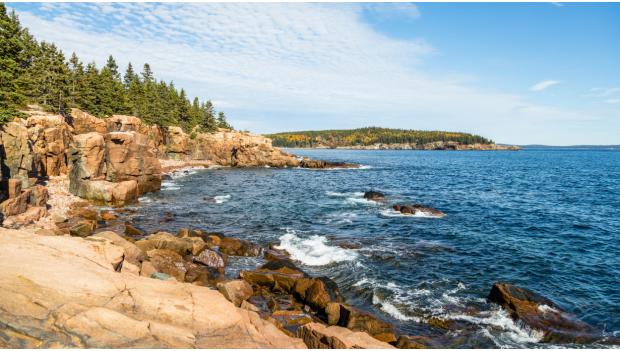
point(221, 121)
point(76, 80)
point(13, 57)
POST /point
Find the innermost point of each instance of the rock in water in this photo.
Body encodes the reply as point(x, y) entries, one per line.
point(238, 247)
point(542, 314)
point(374, 195)
point(210, 259)
point(309, 163)
point(347, 316)
point(417, 209)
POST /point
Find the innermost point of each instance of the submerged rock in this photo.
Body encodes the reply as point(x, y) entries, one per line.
point(374, 195)
point(417, 209)
point(540, 313)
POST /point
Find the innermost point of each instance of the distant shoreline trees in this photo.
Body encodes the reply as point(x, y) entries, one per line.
point(370, 136)
point(34, 72)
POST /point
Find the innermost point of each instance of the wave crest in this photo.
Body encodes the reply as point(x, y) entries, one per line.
point(314, 251)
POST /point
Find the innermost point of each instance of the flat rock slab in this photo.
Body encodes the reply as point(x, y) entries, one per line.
point(64, 292)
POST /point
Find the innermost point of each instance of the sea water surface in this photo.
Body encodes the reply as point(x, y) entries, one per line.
point(547, 220)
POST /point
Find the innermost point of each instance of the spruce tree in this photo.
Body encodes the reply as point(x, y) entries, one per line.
point(221, 121)
point(12, 59)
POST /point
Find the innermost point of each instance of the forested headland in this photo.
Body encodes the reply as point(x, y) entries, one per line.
point(37, 72)
point(371, 136)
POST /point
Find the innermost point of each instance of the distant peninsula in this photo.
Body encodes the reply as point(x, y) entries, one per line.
point(375, 138)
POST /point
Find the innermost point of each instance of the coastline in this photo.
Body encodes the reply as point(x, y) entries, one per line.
point(434, 147)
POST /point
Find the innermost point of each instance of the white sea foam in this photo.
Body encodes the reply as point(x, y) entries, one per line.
point(314, 251)
point(498, 318)
point(145, 199)
point(341, 217)
point(392, 310)
point(344, 194)
point(221, 198)
point(546, 308)
point(389, 212)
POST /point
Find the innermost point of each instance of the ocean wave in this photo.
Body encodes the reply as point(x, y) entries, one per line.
point(221, 198)
point(388, 212)
point(511, 332)
point(314, 251)
point(341, 217)
point(145, 199)
point(392, 310)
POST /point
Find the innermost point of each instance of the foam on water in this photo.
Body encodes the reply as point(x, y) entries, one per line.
point(144, 199)
point(221, 198)
point(313, 251)
point(344, 194)
point(389, 212)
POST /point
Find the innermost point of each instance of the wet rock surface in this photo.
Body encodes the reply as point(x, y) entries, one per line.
point(417, 209)
point(542, 314)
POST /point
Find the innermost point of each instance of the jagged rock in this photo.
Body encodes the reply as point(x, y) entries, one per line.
point(169, 262)
point(14, 188)
point(210, 259)
point(69, 295)
point(101, 191)
point(349, 317)
point(133, 254)
point(51, 139)
point(238, 247)
point(108, 215)
point(416, 209)
point(38, 196)
point(318, 336)
point(178, 143)
point(18, 151)
point(236, 291)
point(122, 123)
point(130, 157)
point(83, 228)
point(273, 254)
point(412, 342)
point(542, 314)
point(31, 215)
point(163, 240)
point(90, 149)
point(16, 205)
point(374, 195)
point(86, 123)
point(317, 292)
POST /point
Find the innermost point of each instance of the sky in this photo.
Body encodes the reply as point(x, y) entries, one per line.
point(517, 73)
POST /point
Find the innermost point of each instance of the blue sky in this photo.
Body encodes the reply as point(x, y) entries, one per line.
point(515, 72)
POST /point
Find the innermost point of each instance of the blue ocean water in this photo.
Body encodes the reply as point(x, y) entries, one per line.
point(547, 220)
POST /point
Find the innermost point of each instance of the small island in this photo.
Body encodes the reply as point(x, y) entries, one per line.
point(375, 138)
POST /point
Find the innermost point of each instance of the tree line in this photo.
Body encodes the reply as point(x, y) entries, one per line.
point(370, 136)
point(33, 72)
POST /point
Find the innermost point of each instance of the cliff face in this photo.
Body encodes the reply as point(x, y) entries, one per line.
point(117, 159)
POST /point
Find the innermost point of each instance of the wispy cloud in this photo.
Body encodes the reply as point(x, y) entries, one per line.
point(540, 86)
point(278, 67)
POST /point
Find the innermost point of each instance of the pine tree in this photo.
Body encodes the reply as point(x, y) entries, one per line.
point(12, 58)
point(76, 80)
point(221, 121)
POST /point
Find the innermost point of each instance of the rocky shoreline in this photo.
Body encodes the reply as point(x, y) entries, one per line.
point(94, 279)
point(438, 145)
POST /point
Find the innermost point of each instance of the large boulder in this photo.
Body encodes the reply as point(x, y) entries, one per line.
point(87, 123)
point(89, 157)
point(374, 195)
point(239, 247)
point(169, 262)
point(70, 295)
point(210, 258)
point(101, 191)
point(133, 254)
point(131, 157)
point(318, 336)
point(349, 317)
point(51, 140)
point(236, 291)
point(540, 313)
point(122, 123)
point(178, 143)
point(167, 241)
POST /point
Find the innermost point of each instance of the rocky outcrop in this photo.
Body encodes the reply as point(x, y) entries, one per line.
point(50, 136)
point(540, 313)
point(416, 209)
point(84, 122)
point(129, 156)
point(73, 293)
point(236, 291)
point(318, 336)
point(349, 317)
point(18, 155)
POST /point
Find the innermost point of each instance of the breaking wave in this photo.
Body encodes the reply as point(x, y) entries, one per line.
point(313, 251)
point(221, 198)
point(388, 212)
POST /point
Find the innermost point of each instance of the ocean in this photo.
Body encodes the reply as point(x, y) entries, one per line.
point(544, 219)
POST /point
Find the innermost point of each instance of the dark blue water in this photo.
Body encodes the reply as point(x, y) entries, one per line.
point(547, 220)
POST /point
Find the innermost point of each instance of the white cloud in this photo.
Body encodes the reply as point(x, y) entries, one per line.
point(540, 86)
point(298, 66)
